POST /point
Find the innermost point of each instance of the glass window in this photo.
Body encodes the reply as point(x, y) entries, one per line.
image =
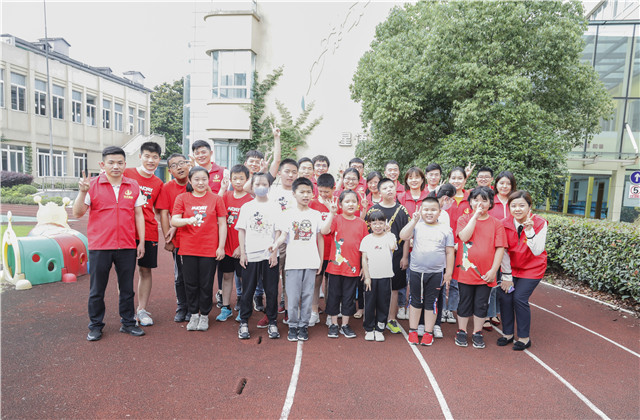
point(57, 96)
point(141, 119)
point(79, 164)
point(629, 149)
point(590, 43)
point(614, 44)
point(18, 92)
point(12, 158)
point(59, 163)
point(635, 69)
point(226, 153)
point(40, 97)
point(132, 113)
point(117, 117)
point(76, 106)
point(233, 74)
point(1, 88)
point(91, 110)
point(106, 114)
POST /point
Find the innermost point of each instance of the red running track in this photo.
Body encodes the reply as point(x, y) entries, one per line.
point(49, 370)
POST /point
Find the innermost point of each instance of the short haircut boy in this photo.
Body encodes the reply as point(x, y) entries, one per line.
point(385, 180)
point(288, 162)
point(200, 143)
point(175, 155)
point(326, 180)
point(152, 147)
point(303, 160)
point(486, 169)
point(239, 169)
point(485, 193)
point(301, 181)
point(320, 158)
point(391, 162)
point(430, 199)
point(253, 154)
point(356, 160)
point(433, 167)
point(113, 150)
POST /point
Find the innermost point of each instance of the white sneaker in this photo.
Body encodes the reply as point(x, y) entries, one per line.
point(421, 330)
point(403, 313)
point(328, 321)
point(315, 318)
point(379, 336)
point(437, 331)
point(443, 318)
point(193, 322)
point(144, 318)
point(203, 324)
point(370, 335)
point(450, 318)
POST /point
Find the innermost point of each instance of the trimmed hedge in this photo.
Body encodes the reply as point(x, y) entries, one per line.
point(23, 194)
point(606, 255)
point(9, 179)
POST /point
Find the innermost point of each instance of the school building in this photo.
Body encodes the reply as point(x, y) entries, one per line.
point(319, 45)
point(85, 109)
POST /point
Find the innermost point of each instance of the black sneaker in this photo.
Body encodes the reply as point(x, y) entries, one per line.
point(293, 334)
point(94, 335)
point(478, 340)
point(303, 334)
point(219, 299)
point(333, 331)
point(461, 338)
point(132, 330)
point(347, 331)
point(180, 315)
point(258, 304)
point(243, 331)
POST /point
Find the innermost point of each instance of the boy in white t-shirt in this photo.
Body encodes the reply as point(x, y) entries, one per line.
point(300, 226)
point(377, 266)
point(257, 230)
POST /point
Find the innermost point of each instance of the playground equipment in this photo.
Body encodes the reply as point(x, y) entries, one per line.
point(51, 252)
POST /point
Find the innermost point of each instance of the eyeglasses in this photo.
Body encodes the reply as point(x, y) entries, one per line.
point(484, 177)
point(353, 179)
point(179, 164)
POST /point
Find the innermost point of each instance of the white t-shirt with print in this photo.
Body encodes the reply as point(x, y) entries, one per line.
point(379, 251)
point(284, 198)
point(259, 221)
point(302, 228)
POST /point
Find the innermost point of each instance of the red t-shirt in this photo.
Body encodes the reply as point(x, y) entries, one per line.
point(475, 257)
point(200, 240)
point(215, 177)
point(346, 236)
point(150, 188)
point(324, 211)
point(361, 191)
point(458, 209)
point(233, 205)
point(166, 201)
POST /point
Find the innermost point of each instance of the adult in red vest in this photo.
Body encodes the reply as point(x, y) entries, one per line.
point(415, 191)
point(523, 267)
point(392, 171)
point(115, 215)
point(202, 157)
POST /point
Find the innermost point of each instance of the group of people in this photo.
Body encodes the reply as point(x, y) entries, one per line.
point(426, 249)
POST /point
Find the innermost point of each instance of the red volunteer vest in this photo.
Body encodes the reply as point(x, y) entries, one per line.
point(112, 223)
point(523, 263)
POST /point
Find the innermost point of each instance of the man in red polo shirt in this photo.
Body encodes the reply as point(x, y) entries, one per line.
point(115, 215)
point(392, 171)
point(202, 157)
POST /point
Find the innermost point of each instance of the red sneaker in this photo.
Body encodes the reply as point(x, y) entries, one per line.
point(427, 339)
point(264, 322)
point(413, 337)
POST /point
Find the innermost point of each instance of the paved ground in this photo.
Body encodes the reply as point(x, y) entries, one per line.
point(584, 363)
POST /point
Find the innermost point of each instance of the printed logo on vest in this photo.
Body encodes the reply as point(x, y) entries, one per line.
point(128, 194)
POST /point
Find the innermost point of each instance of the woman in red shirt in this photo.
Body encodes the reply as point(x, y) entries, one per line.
point(200, 215)
point(373, 195)
point(505, 185)
point(523, 267)
point(415, 192)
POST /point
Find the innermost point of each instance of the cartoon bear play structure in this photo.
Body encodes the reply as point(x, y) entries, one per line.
point(51, 252)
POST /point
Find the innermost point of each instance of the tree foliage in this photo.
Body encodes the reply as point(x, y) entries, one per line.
point(497, 83)
point(166, 114)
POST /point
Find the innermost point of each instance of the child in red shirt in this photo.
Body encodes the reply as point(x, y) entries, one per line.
point(347, 231)
point(201, 218)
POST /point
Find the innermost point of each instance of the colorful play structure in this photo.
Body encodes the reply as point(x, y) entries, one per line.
point(51, 252)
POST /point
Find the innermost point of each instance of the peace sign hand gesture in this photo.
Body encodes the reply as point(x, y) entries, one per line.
point(275, 130)
point(264, 163)
point(333, 207)
point(83, 184)
point(528, 224)
point(469, 169)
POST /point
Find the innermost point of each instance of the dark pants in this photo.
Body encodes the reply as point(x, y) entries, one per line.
point(341, 295)
point(376, 304)
point(439, 306)
point(474, 300)
point(178, 281)
point(198, 282)
point(514, 306)
point(360, 296)
point(100, 262)
point(270, 280)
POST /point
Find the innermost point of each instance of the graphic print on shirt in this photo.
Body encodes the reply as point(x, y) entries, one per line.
point(302, 231)
point(128, 194)
point(146, 192)
point(283, 203)
point(466, 263)
point(200, 213)
point(232, 215)
point(258, 224)
point(339, 259)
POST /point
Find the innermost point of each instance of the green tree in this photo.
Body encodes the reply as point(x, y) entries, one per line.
point(497, 83)
point(166, 114)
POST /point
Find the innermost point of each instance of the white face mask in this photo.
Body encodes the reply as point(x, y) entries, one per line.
point(143, 169)
point(446, 206)
point(261, 191)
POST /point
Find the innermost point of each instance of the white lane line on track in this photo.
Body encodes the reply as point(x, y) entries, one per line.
point(566, 383)
point(587, 329)
point(617, 308)
point(432, 379)
point(293, 384)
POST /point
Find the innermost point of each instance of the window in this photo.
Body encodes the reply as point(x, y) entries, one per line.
point(76, 106)
point(57, 96)
point(106, 114)
point(141, 118)
point(1, 88)
point(576, 191)
point(59, 163)
point(117, 117)
point(132, 112)
point(226, 153)
point(18, 92)
point(40, 97)
point(79, 164)
point(233, 74)
point(12, 158)
point(91, 110)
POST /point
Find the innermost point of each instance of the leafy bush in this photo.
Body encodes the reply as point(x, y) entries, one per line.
point(14, 198)
point(606, 255)
point(9, 179)
point(27, 189)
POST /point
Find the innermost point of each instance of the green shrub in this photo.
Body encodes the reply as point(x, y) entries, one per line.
point(606, 255)
point(27, 189)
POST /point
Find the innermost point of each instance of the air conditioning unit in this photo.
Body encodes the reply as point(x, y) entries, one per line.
point(345, 139)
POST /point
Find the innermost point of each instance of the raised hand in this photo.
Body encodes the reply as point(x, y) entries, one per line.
point(84, 183)
point(275, 130)
point(333, 207)
point(528, 224)
point(469, 169)
point(264, 163)
point(416, 216)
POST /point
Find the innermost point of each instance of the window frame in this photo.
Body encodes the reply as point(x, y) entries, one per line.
point(91, 110)
point(217, 86)
point(20, 92)
point(131, 121)
point(106, 114)
point(79, 164)
point(76, 108)
point(118, 116)
point(40, 98)
point(142, 116)
point(57, 107)
point(59, 159)
point(2, 88)
point(7, 151)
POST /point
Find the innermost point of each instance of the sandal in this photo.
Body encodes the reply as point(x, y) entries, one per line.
point(487, 327)
point(357, 315)
point(495, 321)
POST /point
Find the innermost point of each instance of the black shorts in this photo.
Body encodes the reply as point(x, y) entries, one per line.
point(150, 259)
point(474, 300)
point(341, 295)
point(325, 263)
point(424, 290)
point(230, 265)
point(399, 279)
